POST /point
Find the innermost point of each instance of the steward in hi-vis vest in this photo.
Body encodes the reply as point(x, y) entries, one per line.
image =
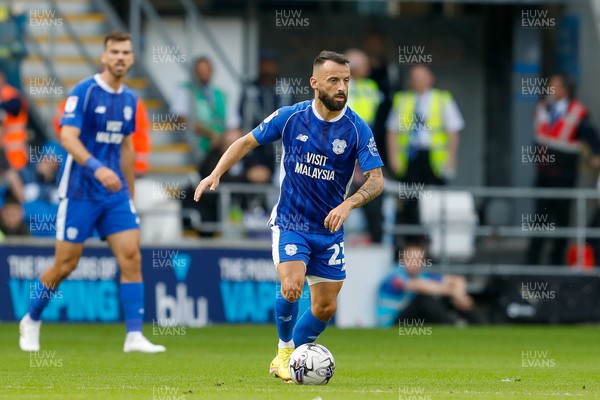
point(422, 131)
point(423, 127)
point(561, 126)
point(409, 121)
point(13, 132)
point(556, 127)
point(364, 97)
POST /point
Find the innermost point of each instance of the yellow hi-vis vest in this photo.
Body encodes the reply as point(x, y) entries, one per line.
point(405, 103)
point(364, 98)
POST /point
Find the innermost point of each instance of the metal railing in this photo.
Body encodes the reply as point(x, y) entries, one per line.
point(579, 232)
point(194, 22)
point(81, 49)
point(40, 120)
point(47, 58)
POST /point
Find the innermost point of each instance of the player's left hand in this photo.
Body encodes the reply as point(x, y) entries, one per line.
point(108, 178)
point(336, 217)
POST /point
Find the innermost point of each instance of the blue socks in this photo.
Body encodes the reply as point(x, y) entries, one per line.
point(40, 297)
point(308, 329)
point(132, 298)
point(286, 314)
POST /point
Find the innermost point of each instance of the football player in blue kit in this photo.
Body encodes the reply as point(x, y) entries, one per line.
point(322, 141)
point(96, 188)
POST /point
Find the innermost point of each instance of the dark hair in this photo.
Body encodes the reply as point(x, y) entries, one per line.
point(117, 36)
point(568, 82)
point(330, 55)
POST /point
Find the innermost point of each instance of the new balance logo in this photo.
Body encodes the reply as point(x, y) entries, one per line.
point(302, 138)
point(286, 319)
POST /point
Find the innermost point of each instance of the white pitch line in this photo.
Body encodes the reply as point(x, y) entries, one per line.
point(334, 390)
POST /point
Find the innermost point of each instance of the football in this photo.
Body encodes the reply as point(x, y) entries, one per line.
point(311, 364)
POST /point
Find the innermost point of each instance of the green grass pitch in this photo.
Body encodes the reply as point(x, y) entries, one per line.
point(231, 362)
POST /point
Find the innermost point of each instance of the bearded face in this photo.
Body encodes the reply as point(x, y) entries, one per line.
point(117, 57)
point(335, 102)
point(330, 81)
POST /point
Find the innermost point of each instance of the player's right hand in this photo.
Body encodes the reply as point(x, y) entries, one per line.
point(108, 178)
point(211, 182)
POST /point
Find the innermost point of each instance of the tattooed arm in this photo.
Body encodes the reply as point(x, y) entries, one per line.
point(372, 188)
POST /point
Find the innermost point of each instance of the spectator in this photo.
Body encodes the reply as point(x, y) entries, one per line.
point(210, 106)
point(386, 74)
point(209, 206)
point(10, 181)
point(364, 99)
point(561, 125)
point(422, 138)
point(11, 217)
point(239, 173)
point(13, 23)
point(41, 189)
point(364, 95)
point(13, 112)
point(409, 293)
point(264, 95)
point(141, 139)
point(259, 99)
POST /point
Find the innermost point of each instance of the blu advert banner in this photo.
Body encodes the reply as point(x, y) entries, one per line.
point(186, 286)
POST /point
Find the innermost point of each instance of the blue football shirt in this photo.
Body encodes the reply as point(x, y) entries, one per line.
point(317, 162)
point(104, 117)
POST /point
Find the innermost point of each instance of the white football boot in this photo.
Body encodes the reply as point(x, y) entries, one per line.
point(29, 339)
point(135, 341)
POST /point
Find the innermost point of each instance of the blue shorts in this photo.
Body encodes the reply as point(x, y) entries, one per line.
point(323, 255)
point(76, 219)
